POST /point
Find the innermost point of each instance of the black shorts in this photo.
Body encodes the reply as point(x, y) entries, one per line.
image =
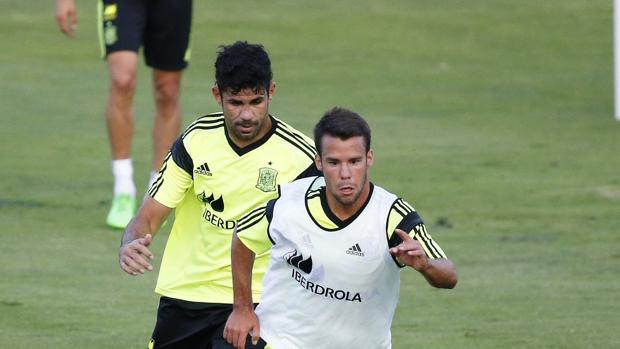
point(161, 27)
point(190, 325)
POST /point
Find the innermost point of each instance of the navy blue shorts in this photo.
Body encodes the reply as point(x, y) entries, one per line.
point(160, 27)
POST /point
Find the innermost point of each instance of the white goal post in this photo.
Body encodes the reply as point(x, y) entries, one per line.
point(617, 59)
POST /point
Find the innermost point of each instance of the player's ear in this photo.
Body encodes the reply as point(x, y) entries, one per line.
point(317, 162)
point(272, 90)
point(370, 157)
point(216, 93)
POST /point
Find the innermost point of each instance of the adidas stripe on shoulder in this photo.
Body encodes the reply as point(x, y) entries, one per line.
point(295, 138)
point(251, 218)
point(207, 122)
point(410, 221)
point(160, 178)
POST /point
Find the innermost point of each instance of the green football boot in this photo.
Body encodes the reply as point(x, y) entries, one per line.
point(122, 211)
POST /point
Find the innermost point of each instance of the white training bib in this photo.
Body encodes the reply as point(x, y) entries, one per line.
point(328, 288)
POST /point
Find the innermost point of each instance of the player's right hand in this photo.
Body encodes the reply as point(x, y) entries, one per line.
point(134, 257)
point(239, 324)
point(410, 252)
point(66, 16)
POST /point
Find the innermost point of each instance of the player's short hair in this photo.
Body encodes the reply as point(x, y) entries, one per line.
point(241, 66)
point(342, 123)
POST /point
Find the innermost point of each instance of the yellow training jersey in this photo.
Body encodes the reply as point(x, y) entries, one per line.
point(212, 183)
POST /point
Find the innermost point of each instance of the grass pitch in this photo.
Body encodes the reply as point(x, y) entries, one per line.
point(494, 118)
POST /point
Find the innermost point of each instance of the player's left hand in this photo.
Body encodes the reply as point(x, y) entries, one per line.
point(410, 252)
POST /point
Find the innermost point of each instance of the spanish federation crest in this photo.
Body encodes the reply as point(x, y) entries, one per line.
point(109, 34)
point(267, 179)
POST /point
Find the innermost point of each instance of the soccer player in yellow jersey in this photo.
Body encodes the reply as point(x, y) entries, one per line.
point(222, 165)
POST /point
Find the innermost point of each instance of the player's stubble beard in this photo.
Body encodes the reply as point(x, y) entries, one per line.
point(254, 126)
point(352, 200)
point(257, 127)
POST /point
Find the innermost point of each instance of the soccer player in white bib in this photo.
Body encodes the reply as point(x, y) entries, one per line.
point(338, 243)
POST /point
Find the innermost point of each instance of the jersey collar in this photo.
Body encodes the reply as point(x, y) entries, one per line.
point(242, 151)
point(321, 214)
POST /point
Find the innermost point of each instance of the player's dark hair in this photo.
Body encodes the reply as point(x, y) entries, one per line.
point(342, 123)
point(242, 66)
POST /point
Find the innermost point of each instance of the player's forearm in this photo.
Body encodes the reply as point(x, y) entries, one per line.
point(440, 273)
point(242, 260)
point(147, 221)
point(137, 228)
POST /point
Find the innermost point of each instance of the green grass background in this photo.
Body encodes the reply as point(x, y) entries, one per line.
point(494, 118)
